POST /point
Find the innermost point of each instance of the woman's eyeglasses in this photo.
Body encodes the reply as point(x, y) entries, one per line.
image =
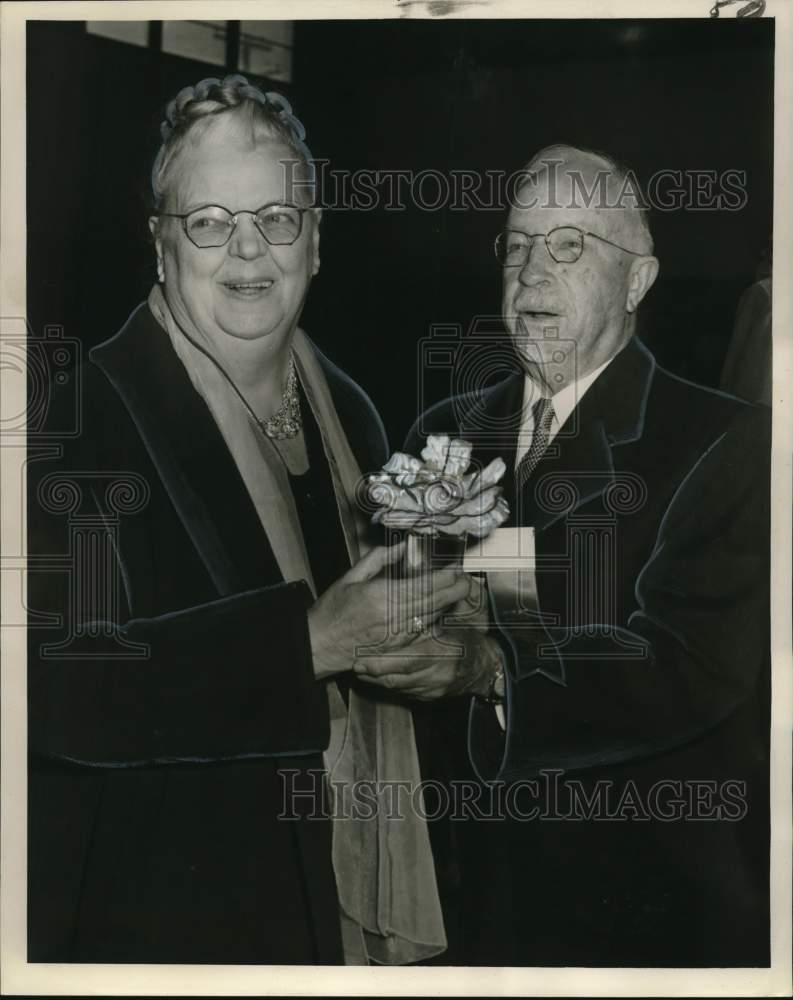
point(565, 245)
point(213, 225)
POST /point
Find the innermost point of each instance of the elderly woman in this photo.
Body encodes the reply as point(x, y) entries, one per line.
point(183, 727)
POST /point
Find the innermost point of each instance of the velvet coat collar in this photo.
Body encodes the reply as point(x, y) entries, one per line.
point(187, 449)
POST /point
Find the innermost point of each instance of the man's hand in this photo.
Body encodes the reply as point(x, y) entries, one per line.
point(461, 662)
point(473, 611)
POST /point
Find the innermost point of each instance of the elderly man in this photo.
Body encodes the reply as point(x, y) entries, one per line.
point(630, 751)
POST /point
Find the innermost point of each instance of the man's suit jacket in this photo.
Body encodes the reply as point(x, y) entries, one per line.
point(157, 732)
point(649, 664)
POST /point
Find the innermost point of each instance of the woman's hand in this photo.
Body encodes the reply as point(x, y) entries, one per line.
point(366, 609)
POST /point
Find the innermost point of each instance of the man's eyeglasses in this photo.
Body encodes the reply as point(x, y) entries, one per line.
point(565, 245)
point(212, 225)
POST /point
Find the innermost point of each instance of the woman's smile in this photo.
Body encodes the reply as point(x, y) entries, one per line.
point(253, 289)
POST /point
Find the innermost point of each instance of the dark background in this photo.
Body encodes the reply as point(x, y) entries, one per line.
point(411, 94)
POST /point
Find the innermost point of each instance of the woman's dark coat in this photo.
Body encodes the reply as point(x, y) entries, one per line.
point(157, 733)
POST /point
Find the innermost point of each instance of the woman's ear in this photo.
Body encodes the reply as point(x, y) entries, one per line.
point(317, 213)
point(154, 229)
point(644, 271)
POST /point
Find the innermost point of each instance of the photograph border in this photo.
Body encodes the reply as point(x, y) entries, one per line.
point(19, 977)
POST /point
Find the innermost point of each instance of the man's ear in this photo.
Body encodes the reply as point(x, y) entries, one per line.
point(644, 271)
point(317, 212)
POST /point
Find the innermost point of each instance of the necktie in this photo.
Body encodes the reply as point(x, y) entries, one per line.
point(543, 416)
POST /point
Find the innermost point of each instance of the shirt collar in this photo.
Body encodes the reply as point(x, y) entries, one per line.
point(565, 400)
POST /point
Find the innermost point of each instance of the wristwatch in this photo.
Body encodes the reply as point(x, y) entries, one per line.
point(497, 690)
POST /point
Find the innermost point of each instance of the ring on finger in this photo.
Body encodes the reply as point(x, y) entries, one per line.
point(417, 625)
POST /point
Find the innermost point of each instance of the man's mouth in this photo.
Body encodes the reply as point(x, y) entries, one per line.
point(538, 313)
